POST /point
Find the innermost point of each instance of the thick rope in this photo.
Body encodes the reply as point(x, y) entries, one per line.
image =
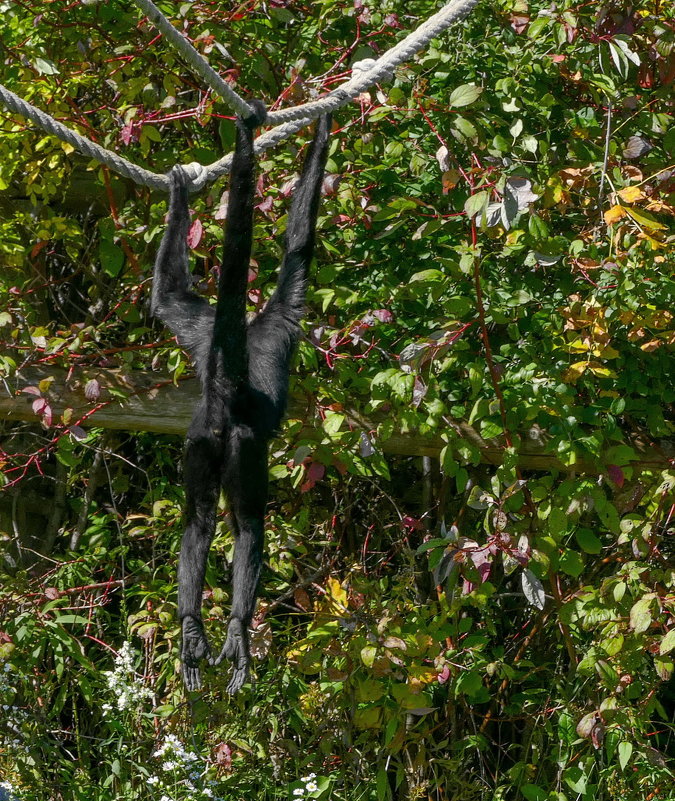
point(200, 65)
point(383, 67)
point(81, 143)
point(293, 119)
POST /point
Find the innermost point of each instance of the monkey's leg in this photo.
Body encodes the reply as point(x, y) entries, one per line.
point(247, 489)
point(202, 463)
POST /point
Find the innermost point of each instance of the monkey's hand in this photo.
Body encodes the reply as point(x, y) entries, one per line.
point(195, 647)
point(236, 650)
point(178, 176)
point(258, 114)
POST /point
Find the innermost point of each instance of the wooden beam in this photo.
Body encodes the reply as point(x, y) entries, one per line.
point(147, 401)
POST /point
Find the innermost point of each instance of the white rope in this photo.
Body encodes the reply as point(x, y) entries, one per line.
point(383, 68)
point(201, 66)
point(367, 73)
point(293, 119)
point(81, 143)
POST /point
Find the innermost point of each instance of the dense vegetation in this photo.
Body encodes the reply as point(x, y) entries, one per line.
point(488, 616)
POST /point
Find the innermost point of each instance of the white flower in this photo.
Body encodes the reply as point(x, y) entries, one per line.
point(128, 688)
point(312, 787)
point(298, 791)
point(308, 778)
point(153, 780)
point(208, 792)
point(177, 756)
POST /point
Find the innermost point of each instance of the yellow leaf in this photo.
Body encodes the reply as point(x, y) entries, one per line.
point(608, 352)
point(422, 674)
point(660, 318)
point(335, 593)
point(600, 371)
point(67, 149)
point(631, 194)
point(514, 236)
point(654, 243)
point(614, 214)
point(660, 206)
point(575, 371)
point(653, 344)
point(645, 219)
point(450, 179)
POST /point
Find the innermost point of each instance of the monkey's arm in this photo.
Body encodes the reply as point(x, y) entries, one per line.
point(289, 295)
point(273, 333)
point(188, 316)
point(229, 333)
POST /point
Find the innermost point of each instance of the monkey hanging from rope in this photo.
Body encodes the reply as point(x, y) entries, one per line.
point(243, 368)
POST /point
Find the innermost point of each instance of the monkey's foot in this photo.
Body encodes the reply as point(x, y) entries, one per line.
point(236, 650)
point(195, 647)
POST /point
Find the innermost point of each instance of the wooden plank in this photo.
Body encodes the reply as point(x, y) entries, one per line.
point(147, 401)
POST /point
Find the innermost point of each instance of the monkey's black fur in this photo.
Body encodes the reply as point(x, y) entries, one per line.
point(243, 368)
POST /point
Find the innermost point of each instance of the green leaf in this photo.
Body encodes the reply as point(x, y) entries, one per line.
point(468, 683)
point(464, 95)
point(466, 128)
point(438, 542)
point(576, 779)
point(428, 275)
point(69, 618)
point(332, 423)
point(533, 792)
point(536, 27)
point(537, 227)
point(571, 563)
point(111, 257)
point(612, 645)
point(645, 219)
point(624, 750)
point(46, 67)
point(587, 540)
point(566, 729)
point(383, 789)
point(604, 83)
point(669, 141)
point(641, 615)
point(609, 516)
point(476, 203)
point(667, 643)
point(152, 133)
point(369, 690)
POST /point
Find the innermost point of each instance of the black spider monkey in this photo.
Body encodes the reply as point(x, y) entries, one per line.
point(243, 368)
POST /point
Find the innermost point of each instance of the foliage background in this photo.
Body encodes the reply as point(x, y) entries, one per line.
point(495, 251)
